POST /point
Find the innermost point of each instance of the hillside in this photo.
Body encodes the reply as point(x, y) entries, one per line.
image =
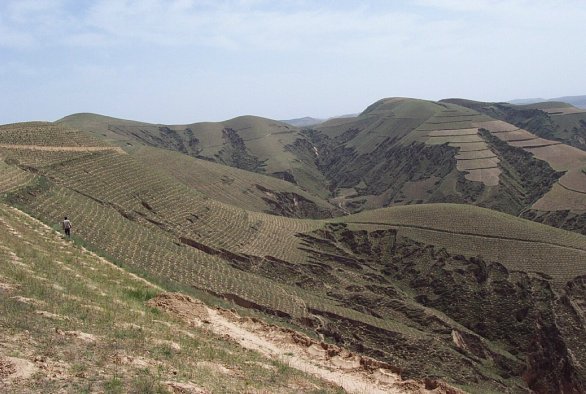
point(552, 120)
point(577, 101)
point(398, 151)
point(553, 133)
point(244, 189)
point(482, 299)
point(247, 142)
point(73, 322)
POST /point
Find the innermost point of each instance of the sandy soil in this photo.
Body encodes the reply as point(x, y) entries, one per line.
point(354, 373)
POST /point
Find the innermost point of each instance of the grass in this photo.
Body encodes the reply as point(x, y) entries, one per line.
point(87, 295)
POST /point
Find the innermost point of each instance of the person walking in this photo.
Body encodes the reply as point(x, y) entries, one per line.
point(67, 227)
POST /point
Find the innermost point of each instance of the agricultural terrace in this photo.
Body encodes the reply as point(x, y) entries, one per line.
point(561, 198)
point(39, 158)
point(517, 243)
point(74, 322)
point(45, 134)
point(392, 117)
point(570, 189)
point(156, 200)
point(223, 183)
point(455, 126)
point(12, 177)
point(554, 108)
point(156, 252)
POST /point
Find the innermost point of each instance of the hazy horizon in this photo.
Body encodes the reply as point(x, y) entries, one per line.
point(188, 61)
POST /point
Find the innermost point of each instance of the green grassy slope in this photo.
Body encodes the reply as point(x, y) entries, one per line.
point(379, 282)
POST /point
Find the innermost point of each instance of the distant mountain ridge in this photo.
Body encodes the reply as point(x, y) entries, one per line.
point(309, 121)
point(577, 101)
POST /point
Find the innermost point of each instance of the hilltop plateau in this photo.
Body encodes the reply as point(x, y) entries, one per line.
point(399, 235)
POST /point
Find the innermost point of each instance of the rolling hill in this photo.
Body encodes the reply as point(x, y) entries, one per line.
point(482, 299)
point(577, 101)
point(398, 151)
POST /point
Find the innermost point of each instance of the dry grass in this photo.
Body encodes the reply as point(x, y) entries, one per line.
point(93, 331)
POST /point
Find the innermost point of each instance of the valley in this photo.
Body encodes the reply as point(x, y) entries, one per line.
point(443, 240)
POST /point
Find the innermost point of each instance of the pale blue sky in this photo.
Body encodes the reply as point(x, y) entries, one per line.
point(183, 61)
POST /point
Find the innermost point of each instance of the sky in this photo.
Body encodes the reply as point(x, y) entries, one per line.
point(183, 61)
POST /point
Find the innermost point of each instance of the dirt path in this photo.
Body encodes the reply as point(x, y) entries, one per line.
point(65, 148)
point(353, 372)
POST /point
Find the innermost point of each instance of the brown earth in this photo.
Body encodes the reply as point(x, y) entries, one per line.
point(355, 373)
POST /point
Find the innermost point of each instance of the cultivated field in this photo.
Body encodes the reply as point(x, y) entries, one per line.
point(74, 322)
point(243, 189)
point(45, 134)
point(516, 243)
point(380, 282)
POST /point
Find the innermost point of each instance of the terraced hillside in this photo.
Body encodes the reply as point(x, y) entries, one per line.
point(552, 134)
point(398, 151)
point(236, 187)
point(71, 321)
point(482, 299)
point(550, 120)
point(247, 142)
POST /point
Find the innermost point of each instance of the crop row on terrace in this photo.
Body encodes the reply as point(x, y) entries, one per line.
point(560, 263)
point(12, 177)
point(452, 121)
point(151, 250)
point(560, 198)
point(35, 158)
point(226, 184)
point(44, 134)
point(120, 180)
point(154, 251)
point(466, 219)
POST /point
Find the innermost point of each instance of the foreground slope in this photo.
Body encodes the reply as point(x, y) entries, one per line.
point(482, 299)
point(74, 322)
